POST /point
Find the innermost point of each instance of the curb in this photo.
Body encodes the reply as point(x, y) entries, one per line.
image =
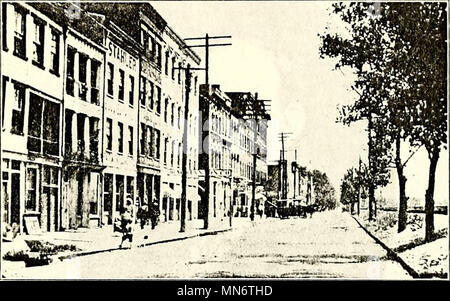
point(390, 252)
point(80, 254)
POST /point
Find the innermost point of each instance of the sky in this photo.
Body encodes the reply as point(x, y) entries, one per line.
point(275, 52)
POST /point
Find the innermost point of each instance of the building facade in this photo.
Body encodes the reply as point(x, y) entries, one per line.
point(93, 114)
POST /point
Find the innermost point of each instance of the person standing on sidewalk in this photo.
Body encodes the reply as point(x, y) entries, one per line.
point(154, 213)
point(127, 222)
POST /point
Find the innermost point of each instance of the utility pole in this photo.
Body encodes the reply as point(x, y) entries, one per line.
point(206, 45)
point(283, 136)
point(185, 149)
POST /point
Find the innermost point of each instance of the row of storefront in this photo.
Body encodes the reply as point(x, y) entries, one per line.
point(92, 115)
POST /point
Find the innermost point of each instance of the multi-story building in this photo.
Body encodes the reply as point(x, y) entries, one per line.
point(32, 92)
point(216, 153)
point(230, 138)
point(82, 127)
point(250, 120)
point(94, 111)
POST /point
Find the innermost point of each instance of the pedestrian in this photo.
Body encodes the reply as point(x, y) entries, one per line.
point(154, 213)
point(127, 222)
point(143, 215)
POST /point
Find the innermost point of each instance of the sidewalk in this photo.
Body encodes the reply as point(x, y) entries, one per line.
point(420, 259)
point(86, 241)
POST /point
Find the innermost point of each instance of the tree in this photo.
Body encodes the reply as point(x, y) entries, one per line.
point(324, 192)
point(404, 78)
point(363, 52)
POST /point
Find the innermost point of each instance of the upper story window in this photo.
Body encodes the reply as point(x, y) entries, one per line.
point(151, 96)
point(120, 138)
point(38, 41)
point(54, 52)
point(130, 140)
point(82, 75)
point(20, 32)
point(143, 148)
point(70, 81)
point(166, 63)
point(18, 109)
point(173, 68)
point(158, 99)
point(95, 66)
point(110, 79)
point(4, 26)
point(43, 126)
point(179, 117)
point(131, 92)
point(121, 84)
point(143, 91)
point(109, 134)
point(179, 73)
point(166, 108)
point(172, 111)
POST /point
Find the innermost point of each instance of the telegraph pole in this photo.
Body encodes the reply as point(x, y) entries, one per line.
point(206, 45)
point(185, 150)
point(283, 136)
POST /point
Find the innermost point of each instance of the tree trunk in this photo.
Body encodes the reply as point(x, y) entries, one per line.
point(371, 202)
point(429, 196)
point(403, 206)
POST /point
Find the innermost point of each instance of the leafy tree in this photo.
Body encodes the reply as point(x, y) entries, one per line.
point(325, 194)
point(401, 80)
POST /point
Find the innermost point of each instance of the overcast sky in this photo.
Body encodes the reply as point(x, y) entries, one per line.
point(275, 53)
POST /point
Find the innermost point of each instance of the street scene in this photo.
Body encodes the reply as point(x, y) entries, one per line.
point(186, 140)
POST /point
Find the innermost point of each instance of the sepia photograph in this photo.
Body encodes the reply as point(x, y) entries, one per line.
point(224, 140)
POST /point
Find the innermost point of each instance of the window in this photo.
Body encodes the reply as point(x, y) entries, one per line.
point(4, 81)
point(18, 109)
point(166, 63)
point(121, 84)
point(179, 117)
point(166, 107)
point(82, 70)
point(4, 24)
point(54, 52)
point(108, 193)
point(108, 134)
point(31, 189)
point(93, 138)
point(173, 68)
point(157, 142)
point(131, 93)
point(81, 144)
point(172, 153)
point(151, 96)
point(143, 139)
point(166, 145)
point(38, 42)
point(151, 145)
point(70, 80)
point(179, 155)
point(68, 132)
point(119, 192)
point(43, 129)
point(120, 138)
point(179, 73)
point(143, 91)
point(130, 187)
point(172, 114)
point(95, 66)
point(20, 32)
point(158, 100)
point(110, 79)
point(130, 140)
